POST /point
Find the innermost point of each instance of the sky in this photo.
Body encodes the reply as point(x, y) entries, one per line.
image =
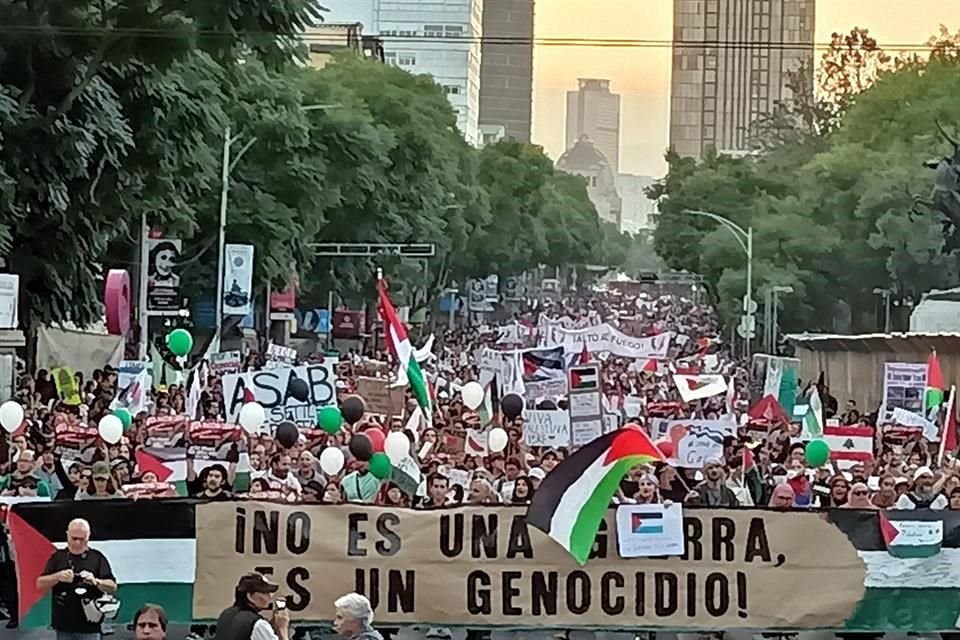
point(642, 75)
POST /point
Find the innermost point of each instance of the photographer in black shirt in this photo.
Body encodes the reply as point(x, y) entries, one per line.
point(75, 574)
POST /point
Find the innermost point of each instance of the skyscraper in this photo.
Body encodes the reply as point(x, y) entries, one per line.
point(595, 112)
point(441, 39)
point(730, 64)
point(506, 69)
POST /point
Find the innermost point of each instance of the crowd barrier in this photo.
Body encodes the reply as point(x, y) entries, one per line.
point(483, 567)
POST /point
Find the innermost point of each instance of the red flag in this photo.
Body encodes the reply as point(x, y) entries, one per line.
point(703, 344)
point(650, 366)
point(147, 462)
point(748, 460)
point(585, 354)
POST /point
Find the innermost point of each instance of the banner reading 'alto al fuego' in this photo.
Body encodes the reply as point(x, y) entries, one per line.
point(743, 568)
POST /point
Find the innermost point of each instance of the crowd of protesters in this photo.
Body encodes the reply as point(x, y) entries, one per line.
point(756, 468)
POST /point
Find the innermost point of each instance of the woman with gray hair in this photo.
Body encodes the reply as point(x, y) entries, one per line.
point(354, 618)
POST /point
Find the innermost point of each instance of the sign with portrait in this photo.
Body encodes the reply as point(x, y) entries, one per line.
point(163, 280)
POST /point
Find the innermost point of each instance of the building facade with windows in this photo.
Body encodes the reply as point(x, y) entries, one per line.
point(506, 69)
point(593, 111)
point(731, 60)
point(586, 159)
point(441, 38)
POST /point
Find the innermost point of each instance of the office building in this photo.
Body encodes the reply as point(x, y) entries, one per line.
point(441, 38)
point(637, 210)
point(585, 159)
point(593, 111)
point(719, 90)
point(506, 69)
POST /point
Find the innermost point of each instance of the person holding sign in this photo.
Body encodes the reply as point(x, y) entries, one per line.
point(354, 618)
point(245, 621)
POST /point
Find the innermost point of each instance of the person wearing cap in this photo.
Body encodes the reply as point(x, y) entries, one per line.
point(923, 495)
point(713, 490)
point(101, 484)
point(244, 620)
point(353, 619)
point(25, 469)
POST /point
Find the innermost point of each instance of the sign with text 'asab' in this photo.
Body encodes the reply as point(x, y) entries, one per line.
point(271, 388)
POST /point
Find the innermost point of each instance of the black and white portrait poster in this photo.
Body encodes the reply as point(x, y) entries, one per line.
point(163, 281)
point(238, 279)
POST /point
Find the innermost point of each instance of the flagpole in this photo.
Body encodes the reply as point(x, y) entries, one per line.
point(951, 412)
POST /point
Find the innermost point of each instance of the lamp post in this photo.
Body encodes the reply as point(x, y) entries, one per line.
point(745, 240)
point(229, 164)
point(775, 323)
point(887, 294)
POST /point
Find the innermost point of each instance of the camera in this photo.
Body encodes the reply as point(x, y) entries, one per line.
point(280, 604)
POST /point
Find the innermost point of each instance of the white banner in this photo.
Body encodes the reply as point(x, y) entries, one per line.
point(546, 428)
point(9, 300)
point(271, 388)
point(238, 279)
point(280, 356)
point(603, 338)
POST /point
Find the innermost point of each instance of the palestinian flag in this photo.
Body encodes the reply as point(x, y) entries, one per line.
point(813, 419)
point(572, 499)
point(584, 378)
point(540, 365)
point(170, 465)
point(399, 345)
point(948, 435)
point(912, 567)
point(933, 397)
point(150, 545)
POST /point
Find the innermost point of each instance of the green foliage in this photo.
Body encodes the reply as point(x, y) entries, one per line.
point(112, 111)
point(832, 210)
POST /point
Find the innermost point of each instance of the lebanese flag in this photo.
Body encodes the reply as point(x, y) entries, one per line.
point(948, 435)
point(399, 345)
point(700, 386)
point(849, 445)
point(572, 500)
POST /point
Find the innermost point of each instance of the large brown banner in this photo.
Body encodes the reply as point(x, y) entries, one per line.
point(746, 569)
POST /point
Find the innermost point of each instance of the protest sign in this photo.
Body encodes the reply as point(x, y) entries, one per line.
point(225, 362)
point(215, 441)
point(380, 396)
point(163, 281)
point(74, 440)
point(166, 432)
point(279, 356)
point(542, 428)
point(694, 440)
point(133, 386)
point(904, 384)
point(646, 530)
point(271, 388)
point(67, 385)
point(484, 567)
point(604, 338)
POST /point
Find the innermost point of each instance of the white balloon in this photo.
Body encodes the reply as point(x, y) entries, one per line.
point(472, 394)
point(396, 446)
point(331, 461)
point(252, 417)
point(11, 415)
point(110, 428)
point(497, 440)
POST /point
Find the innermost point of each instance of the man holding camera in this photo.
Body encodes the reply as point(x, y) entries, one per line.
point(244, 620)
point(75, 574)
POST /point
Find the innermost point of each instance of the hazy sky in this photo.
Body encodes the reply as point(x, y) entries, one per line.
point(642, 75)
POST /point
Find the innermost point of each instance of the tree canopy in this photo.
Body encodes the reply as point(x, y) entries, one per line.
point(112, 110)
point(831, 195)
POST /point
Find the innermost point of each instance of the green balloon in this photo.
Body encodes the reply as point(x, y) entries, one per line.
point(817, 453)
point(180, 342)
point(380, 466)
point(330, 419)
point(126, 418)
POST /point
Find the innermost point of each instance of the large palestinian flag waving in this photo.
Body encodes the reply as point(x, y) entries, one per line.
point(150, 545)
point(572, 499)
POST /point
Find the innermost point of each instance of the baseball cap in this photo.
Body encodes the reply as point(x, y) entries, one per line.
point(922, 471)
point(256, 583)
point(537, 473)
point(100, 470)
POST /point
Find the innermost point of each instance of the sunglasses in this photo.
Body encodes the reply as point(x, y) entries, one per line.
point(861, 493)
point(100, 479)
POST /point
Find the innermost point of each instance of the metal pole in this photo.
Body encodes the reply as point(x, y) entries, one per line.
point(768, 296)
point(886, 321)
point(142, 298)
point(775, 325)
point(330, 308)
point(224, 190)
point(749, 284)
point(452, 310)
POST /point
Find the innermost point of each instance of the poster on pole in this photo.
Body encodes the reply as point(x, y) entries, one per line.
point(904, 384)
point(238, 279)
point(585, 403)
point(163, 281)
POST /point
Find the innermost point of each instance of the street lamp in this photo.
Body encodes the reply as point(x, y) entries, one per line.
point(887, 294)
point(229, 164)
point(745, 240)
point(771, 319)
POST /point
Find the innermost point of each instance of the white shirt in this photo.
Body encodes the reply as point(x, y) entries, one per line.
point(290, 481)
point(263, 631)
point(906, 502)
